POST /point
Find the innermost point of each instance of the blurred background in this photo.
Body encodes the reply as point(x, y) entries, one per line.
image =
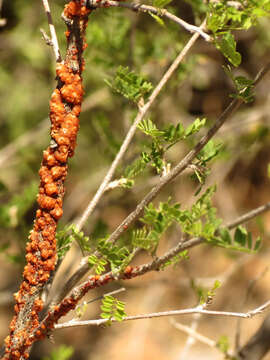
point(199, 88)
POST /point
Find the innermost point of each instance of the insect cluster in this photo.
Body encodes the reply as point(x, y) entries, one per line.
point(65, 107)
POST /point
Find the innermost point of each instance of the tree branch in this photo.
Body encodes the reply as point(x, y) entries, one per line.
point(94, 281)
point(152, 10)
point(197, 310)
point(54, 41)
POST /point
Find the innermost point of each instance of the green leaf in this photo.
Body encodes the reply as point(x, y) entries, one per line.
point(257, 244)
point(112, 308)
point(227, 46)
point(195, 127)
point(157, 18)
point(223, 344)
point(240, 235)
point(63, 352)
point(130, 85)
point(149, 128)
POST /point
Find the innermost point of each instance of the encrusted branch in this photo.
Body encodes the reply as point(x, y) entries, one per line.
point(41, 257)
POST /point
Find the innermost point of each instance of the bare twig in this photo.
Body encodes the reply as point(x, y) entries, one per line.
point(191, 332)
point(114, 292)
point(190, 339)
point(248, 291)
point(199, 337)
point(258, 345)
point(141, 113)
point(248, 216)
point(196, 310)
point(53, 40)
point(155, 11)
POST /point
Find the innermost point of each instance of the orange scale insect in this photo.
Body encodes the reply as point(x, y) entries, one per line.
point(45, 234)
point(61, 157)
point(45, 254)
point(76, 110)
point(51, 189)
point(38, 334)
point(128, 270)
point(16, 354)
point(56, 93)
point(38, 213)
point(28, 257)
point(49, 264)
point(44, 172)
point(16, 308)
point(58, 171)
point(46, 202)
point(49, 158)
point(44, 245)
point(57, 213)
point(62, 140)
point(38, 303)
point(61, 69)
point(85, 11)
point(31, 279)
point(40, 222)
point(70, 9)
point(47, 179)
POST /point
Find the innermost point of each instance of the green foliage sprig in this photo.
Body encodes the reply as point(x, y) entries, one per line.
point(112, 309)
point(63, 352)
point(132, 86)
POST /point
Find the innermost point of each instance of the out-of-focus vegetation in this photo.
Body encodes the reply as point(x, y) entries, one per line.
point(200, 89)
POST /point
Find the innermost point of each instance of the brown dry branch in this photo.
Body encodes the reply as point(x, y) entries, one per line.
point(41, 256)
point(95, 281)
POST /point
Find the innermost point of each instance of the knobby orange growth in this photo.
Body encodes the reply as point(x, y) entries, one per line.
point(41, 256)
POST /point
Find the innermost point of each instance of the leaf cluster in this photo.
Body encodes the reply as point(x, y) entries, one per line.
point(161, 141)
point(112, 309)
point(130, 85)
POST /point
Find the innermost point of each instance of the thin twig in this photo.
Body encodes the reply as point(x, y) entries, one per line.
point(141, 113)
point(199, 337)
point(250, 287)
point(155, 11)
point(54, 41)
point(190, 339)
point(117, 291)
point(196, 310)
point(191, 332)
point(248, 216)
